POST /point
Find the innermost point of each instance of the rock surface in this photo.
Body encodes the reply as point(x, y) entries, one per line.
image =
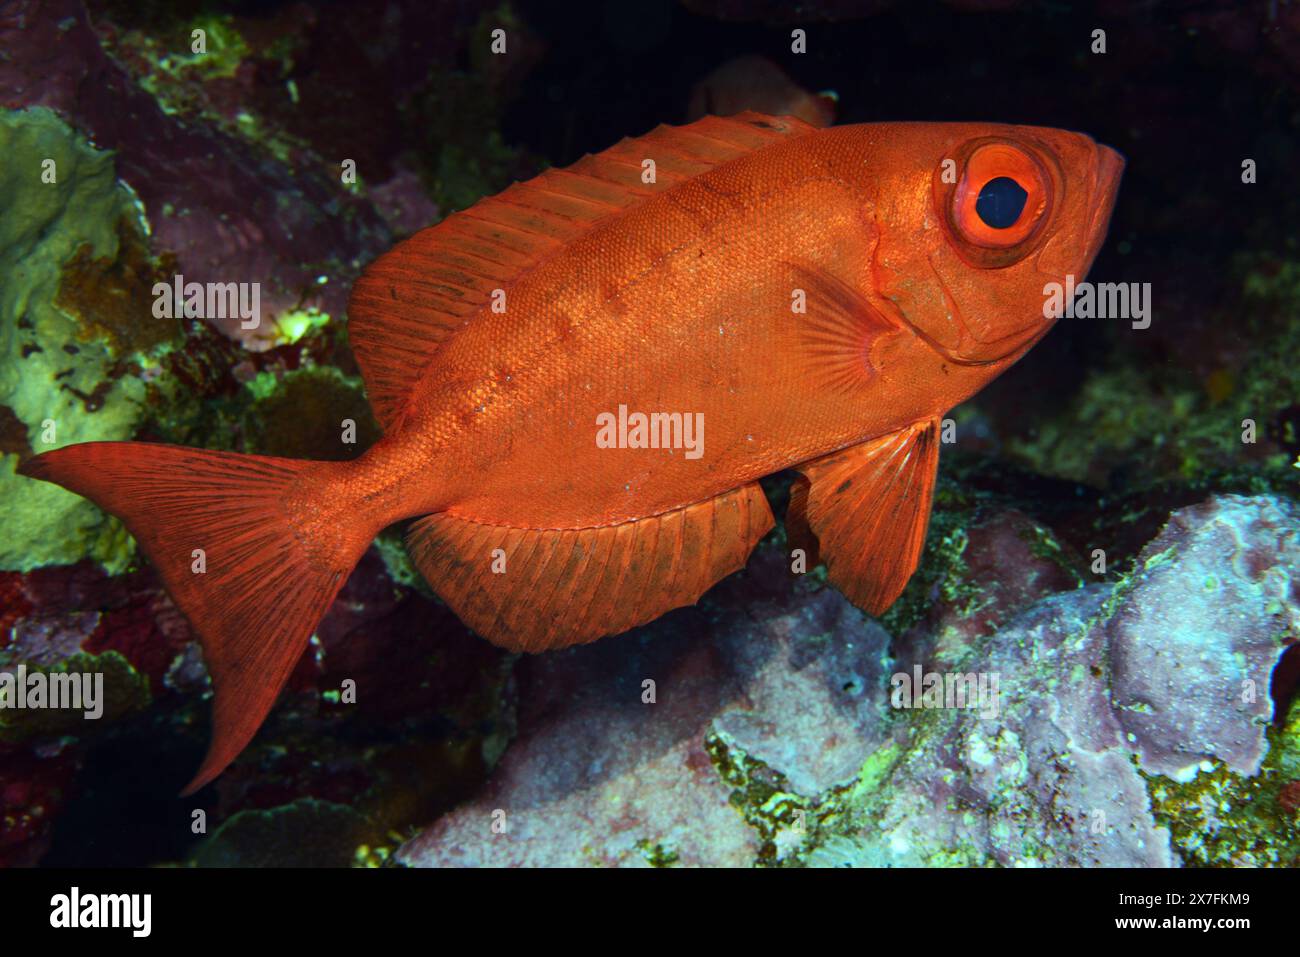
point(799, 687)
point(781, 739)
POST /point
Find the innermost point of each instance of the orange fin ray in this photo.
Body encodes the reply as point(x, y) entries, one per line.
point(426, 288)
point(559, 587)
point(866, 509)
point(215, 526)
point(837, 331)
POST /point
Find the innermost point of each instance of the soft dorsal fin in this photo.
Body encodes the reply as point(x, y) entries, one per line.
point(866, 509)
point(426, 288)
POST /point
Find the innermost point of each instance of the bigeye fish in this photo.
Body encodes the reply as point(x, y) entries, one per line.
point(793, 297)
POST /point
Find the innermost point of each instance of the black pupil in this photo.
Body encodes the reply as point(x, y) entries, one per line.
point(1001, 202)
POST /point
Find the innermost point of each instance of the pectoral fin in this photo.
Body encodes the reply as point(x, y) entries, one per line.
point(836, 333)
point(864, 510)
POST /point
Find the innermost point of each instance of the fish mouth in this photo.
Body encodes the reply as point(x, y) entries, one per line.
point(1019, 341)
point(951, 355)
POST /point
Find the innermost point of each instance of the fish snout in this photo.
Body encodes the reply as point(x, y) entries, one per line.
point(1108, 167)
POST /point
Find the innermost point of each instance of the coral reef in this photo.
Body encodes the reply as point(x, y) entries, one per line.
point(220, 164)
point(614, 762)
point(65, 217)
point(444, 692)
point(780, 740)
point(224, 206)
point(1106, 693)
point(1114, 534)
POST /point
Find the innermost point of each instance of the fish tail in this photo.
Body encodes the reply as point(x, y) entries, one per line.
point(252, 549)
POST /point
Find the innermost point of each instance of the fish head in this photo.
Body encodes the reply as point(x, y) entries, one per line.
point(978, 223)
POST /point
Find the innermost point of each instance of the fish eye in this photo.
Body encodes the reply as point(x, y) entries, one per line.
point(1000, 202)
point(1002, 197)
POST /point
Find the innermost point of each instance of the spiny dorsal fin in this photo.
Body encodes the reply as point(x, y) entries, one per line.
point(426, 288)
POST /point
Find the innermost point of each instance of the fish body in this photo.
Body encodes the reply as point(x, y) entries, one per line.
point(692, 313)
point(766, 295)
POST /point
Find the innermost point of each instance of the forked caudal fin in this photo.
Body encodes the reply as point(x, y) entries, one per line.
point(235, 554)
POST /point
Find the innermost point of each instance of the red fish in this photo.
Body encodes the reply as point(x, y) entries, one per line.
point(756, 83)
point(582, 379)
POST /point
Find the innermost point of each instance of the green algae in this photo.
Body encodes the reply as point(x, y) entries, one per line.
point(62, 374)
point(1182, 428)
point(315, 412)
point(125, 691)
point(760, 794)
point(657, 855)
point(874, 772)
point(304, 833)
point(846, 812)
point(391, 546)
point(159, 53)
point(223, 50)
point(1045, 545)
point(296, 413)
point(295, 324)
point(464, 174)
point(167, 68)
point(1223, 819)
point(457, 117)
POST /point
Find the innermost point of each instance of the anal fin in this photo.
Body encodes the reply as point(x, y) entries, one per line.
point(537, 589)
point(866, 508)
